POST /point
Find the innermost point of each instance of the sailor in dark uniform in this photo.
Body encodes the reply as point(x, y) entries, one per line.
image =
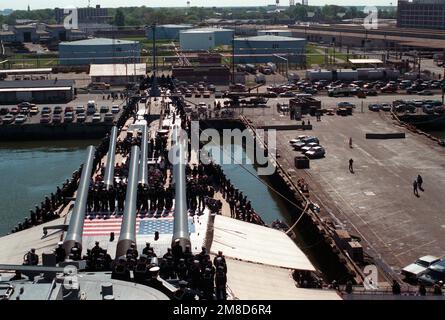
point(220, 283)
point(31, 258)
point(183, 293)
point(60, 253)
point(181, 269)
point(177, 251)
point(146, 249)
point(207, 284)
point(96, 249)
point(141, 271)
point(154, 282)
point(133, 251)
point(120, 271)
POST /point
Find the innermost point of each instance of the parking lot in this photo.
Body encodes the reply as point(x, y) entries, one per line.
point(104, 107)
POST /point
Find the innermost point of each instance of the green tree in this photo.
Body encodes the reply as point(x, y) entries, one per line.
point(119, 18)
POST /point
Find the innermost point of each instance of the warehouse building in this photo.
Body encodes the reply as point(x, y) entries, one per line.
point(99, 51)
point(217, 75)
point(429, 14)
point(205, 38)
point(167, 31)
point(275, 32)
point(118, 74)
point(263, 49)
point(37, 91)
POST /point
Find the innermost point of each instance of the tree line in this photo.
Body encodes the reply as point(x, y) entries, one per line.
point(136, 16)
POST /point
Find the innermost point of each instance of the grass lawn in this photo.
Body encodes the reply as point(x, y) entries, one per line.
point(313, 56)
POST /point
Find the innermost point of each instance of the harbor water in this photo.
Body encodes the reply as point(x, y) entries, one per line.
point(31, 170)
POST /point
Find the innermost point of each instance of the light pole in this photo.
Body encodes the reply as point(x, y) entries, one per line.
point(287, 64)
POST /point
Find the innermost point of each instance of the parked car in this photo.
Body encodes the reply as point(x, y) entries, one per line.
point(46, 110)
point(46, 118)
point(104, 109)
point(69, 117)
point(315, 152)
point(308, 146)
point(310, 139)
point(415, 269)
point(26, 104)
point(206, 94)
point(115, 109)
point(428, 109)
point(310, 90)
point(425, 93)
point(371, 93)
point(81, 117)
point(80, 109)
point(57, 118)
point(4, 111)
point(375, 107)
point(69, 109)
point(389, 89)
point(9, 118)
point(91, 107)
point(188, 94)
point(109, 117)
point(58, 110)
point(433, 274)
point(287, 94)
point(33, 111)
point(97, 117)
point(386, 107)
point(14, 110)
point(24, 110)
point(99, 86)
point(345, 104)
point(21, 118)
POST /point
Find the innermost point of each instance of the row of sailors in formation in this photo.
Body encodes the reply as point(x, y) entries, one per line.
point(203, 278)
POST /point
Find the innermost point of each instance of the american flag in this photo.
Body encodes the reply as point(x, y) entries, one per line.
point(103, 227)
point(144, 226)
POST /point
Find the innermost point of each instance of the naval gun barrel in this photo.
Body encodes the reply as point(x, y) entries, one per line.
point(75, 227)
point(109, 169)
point(143, 170)
point(180, 223)
point(128, 228)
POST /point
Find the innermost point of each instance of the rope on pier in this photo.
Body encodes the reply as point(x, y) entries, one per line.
point(299, 218)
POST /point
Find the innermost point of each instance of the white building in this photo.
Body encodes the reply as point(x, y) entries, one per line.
point(275, 32)
point(205, 38)
point(197, 40)
point(118, 74)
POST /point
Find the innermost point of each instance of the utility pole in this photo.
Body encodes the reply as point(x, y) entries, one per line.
point(443, 79)
point(233, 55)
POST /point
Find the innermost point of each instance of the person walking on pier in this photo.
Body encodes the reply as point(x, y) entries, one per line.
point(416, 193)
point(350, 142)
point(419, 182)
point(351, 167)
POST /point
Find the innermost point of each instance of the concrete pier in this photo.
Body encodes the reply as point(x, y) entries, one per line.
point(376, 202)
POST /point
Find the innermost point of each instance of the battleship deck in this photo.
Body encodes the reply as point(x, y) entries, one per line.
point(377, 202)
point(240, 241)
